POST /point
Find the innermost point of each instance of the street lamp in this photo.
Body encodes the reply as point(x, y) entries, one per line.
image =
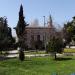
point(44, 33)
point(44, 20)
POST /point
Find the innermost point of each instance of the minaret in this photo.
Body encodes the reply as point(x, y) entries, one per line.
point(50, 22)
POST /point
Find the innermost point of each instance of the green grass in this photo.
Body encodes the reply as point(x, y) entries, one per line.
point(69, 50)
point(38, 66)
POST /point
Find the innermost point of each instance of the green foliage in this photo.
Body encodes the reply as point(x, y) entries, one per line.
point(55, 45)
point(73, 37)
point(21, 23)
point(5, 34)
point(69, 31)
point(20, 31)
point(20, 28)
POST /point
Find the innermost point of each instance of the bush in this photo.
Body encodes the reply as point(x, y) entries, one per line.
point(55, 45)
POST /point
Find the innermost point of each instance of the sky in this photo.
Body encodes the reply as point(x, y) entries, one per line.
point(60, 10)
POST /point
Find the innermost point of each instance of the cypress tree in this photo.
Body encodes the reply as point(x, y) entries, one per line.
point(20, 31)
point(21, 23)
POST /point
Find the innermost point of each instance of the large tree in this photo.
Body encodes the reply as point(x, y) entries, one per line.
point(69, 31)
point(5, 34)
point(20, 31)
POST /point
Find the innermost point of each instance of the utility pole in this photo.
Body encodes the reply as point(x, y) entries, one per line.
point(44, 20)
point(44, 33)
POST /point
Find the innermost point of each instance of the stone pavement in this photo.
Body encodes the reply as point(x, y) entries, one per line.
point(14, 53)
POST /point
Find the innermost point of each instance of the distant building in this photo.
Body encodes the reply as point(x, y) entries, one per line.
point(36, 36)
point(42, 33)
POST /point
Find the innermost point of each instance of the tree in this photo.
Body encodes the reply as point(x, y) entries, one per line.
point(5, 37)
point(55, 45)
point(66, 34)
point(69, 31)
point(20, 31)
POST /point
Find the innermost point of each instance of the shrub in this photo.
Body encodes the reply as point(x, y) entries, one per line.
point(55, 45)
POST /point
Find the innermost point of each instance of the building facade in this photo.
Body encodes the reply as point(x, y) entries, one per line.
point(35, 36)
point(39, 36)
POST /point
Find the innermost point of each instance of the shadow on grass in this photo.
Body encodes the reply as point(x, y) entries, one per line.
point(63, 59)
point(4, 58)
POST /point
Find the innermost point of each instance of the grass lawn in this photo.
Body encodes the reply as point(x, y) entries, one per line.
point(38, 66)
point(69, 50)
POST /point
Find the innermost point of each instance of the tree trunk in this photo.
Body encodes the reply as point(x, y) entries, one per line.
point(21, 54)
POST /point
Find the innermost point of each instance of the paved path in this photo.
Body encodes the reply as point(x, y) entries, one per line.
point(14, 53)
point(31, 55)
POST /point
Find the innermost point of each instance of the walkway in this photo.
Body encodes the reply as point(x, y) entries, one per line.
point(14, 53)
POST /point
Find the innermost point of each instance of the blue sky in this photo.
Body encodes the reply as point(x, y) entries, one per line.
point(61, 10)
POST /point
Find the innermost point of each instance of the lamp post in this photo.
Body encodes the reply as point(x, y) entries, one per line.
point(44, 20)
point(44, 33)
